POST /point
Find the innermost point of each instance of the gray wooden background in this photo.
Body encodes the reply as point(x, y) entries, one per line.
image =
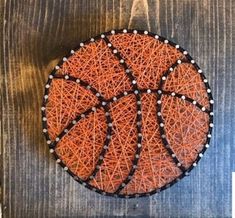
point(35, 35)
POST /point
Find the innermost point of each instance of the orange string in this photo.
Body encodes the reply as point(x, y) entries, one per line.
point(185, 125)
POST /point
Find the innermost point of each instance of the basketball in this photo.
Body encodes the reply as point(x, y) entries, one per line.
point(128, 113)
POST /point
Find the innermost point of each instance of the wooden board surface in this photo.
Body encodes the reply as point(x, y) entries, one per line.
point(36, 34)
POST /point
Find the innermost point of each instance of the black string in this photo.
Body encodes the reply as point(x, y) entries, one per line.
point(99, 105)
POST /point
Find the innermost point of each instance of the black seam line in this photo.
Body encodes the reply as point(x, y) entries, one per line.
point(81, 82)
point(133, 82)
point(160, 119)
point(160, 38)
point(159, 115)
point(44, 102)
point(103, 102)
point(110, 100)
point(190, 100)
point(142, 91)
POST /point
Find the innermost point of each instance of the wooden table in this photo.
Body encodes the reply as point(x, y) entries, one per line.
point(36, 34)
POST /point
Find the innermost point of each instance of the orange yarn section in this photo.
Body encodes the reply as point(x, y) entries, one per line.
point(80, 148)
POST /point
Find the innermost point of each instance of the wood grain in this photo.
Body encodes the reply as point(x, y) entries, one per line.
point(36, 34)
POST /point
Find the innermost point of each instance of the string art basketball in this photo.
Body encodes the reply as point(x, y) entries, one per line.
point(128, 113)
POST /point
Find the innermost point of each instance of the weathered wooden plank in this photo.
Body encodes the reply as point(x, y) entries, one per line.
point(36, 34)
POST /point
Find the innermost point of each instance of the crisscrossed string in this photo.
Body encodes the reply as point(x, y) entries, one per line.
point(107, 107)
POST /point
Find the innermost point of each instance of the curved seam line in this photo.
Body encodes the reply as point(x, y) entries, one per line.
point(102, 100)
point(160, 119)
point(159, 115)
point(108, 101)
point(157, 190)
point(87, 112)
point(143, 91)
point(129, 74)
